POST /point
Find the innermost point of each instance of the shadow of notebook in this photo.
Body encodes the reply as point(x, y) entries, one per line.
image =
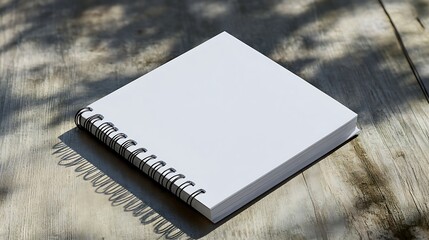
point(125, 185)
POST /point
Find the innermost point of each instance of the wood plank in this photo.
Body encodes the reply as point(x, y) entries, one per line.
point(57, 56)
point(410, 20)
point(380, 201)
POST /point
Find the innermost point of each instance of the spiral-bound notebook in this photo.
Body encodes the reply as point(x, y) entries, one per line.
point(219, 125)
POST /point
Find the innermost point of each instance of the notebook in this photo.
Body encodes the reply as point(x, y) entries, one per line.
point(219, 125)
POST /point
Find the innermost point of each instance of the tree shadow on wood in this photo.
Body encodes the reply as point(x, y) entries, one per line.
point(123, 40)
point(126, 186)
point(377, 205)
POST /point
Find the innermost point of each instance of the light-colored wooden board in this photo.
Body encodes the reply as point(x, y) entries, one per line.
point(410, 20)
point(57, 56)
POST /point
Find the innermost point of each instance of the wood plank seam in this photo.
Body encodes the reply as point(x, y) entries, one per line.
point(420, 22)
point(424, 88)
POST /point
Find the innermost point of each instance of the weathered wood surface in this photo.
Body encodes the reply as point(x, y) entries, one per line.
point(410, 20)
point(57, 56)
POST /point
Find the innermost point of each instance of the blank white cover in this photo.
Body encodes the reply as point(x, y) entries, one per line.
point(222, 114)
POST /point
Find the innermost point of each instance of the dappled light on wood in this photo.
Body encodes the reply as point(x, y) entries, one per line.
point(57, 56)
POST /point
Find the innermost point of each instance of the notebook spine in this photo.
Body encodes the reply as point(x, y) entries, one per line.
point(107, 133)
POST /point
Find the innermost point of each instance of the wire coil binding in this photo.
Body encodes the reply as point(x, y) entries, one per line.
point(104, 131)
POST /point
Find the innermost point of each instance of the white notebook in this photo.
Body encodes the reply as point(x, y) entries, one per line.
point(219, 125)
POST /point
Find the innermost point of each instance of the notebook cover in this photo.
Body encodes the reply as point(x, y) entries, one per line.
point(223, 115)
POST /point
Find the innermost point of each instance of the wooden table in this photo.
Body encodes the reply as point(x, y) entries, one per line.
point(57, 56)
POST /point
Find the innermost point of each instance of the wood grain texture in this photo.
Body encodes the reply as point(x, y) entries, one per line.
point(409, 20)
point(57, 56)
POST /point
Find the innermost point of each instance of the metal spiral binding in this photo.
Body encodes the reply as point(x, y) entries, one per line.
point(103, 132)
point(154, 168)
point(91, 120)
point(183, 186)
point(78, 114)
point(134, 154)
point(115, 139)
point(193, 195)
point(126, 145)
point(173, 179)
point(105, 129)
point(145, 160)
point(164, 175)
